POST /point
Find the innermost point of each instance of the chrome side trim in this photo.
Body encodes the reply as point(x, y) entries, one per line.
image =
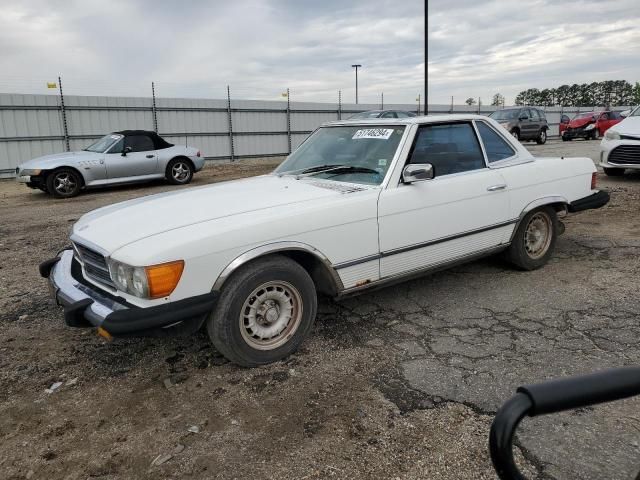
point(386, 281)
point(275, 248)
point(408, 248)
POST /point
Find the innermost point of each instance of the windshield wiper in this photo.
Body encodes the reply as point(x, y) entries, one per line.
point(335, 168)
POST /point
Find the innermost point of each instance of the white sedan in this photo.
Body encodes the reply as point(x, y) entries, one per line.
point(620, 146)
point(359, 204)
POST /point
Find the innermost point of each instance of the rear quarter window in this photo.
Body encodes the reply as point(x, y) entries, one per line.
point(495, 146)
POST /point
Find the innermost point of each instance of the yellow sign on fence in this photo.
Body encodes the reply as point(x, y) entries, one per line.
point(52, 85)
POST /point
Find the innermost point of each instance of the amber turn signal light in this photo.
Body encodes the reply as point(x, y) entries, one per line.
point(163, 279)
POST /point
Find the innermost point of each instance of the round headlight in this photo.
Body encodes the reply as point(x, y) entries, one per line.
point(122, 277)
point(139, 282)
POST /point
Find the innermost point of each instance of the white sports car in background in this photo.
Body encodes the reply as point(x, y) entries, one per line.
point(121, 157)
point(620, 146)
point(359, 204)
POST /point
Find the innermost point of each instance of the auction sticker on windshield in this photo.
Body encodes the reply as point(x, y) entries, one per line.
point(381, 133)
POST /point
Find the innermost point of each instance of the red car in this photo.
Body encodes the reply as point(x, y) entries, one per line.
point(588, 125)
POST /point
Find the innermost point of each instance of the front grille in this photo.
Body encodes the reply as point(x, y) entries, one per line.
point(95, 265)
point(625, 155)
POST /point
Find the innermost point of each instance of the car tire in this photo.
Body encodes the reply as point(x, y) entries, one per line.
point(264, 312)
point(542, 137)
point(535, 240)
point(515, 133)
point(613, 172)
point(179, 171)
point(595, 135)
point(566, 139)
point(64, 183)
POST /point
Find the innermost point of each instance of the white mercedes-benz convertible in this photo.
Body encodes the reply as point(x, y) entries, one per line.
point(359, 204)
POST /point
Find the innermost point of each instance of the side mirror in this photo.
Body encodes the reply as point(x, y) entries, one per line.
point(523, 117)
point(417, 172)
point(126, 150)
point(565, 120)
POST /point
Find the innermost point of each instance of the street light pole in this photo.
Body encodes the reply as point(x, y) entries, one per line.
point(356, 67)
point(426, 57)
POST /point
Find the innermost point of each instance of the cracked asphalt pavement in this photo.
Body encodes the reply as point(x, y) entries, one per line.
point(401, 382)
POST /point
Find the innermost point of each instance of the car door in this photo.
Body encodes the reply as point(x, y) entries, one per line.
point(133, 156)
point(460, 212)
point(534, 123)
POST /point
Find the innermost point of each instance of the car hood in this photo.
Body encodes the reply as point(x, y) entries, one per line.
point(580, 122)
point(115, 226)
point(56, 159)
point(628, 126)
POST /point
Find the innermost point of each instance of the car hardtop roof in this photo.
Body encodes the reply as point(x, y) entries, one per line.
point(408, 121)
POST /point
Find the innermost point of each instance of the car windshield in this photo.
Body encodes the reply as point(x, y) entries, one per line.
point(104, 143)
point(355, 154)
point(635, 113)
point(505, 114)
point(365, 115)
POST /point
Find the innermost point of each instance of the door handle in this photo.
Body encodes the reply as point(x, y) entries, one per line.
point(150, 156)
point(495, 188)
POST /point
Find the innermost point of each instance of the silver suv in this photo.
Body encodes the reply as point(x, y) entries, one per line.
point(524, 123)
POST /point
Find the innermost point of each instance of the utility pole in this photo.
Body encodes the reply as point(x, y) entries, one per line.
point(426, 57)
point(64, 116)
point(418, 99)
point(356, 67)
point(382, 101)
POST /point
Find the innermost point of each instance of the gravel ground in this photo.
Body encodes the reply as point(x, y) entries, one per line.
point(399, 383)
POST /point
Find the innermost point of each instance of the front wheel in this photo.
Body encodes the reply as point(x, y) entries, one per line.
point(64, 183)
point(179, 171)
point(542, 137)
point(596, 134)
point(535, 239)
point(265, 311)
point(613, 172)
point(515, 133)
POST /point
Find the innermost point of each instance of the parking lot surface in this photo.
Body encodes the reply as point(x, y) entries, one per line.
point(398, 383)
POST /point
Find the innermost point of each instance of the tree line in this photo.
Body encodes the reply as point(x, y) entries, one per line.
point(610, 93)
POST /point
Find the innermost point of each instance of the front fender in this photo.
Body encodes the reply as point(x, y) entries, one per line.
point(277, 247)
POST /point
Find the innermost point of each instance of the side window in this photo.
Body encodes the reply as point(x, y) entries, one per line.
point(117, 148)
point(542, 115)
point(533, 115)
point(389, 115)
point(524, 114)
point(139, 143)
point(402, 115)
point(564, 119)
point(495, 146)
point(604, 117)
point(450, 148)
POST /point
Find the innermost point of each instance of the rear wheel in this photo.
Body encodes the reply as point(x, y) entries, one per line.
point(535, 239)
point(542, 137)
point(265, 311)
point(179, 171)
point(613, 172)
point(64, 183)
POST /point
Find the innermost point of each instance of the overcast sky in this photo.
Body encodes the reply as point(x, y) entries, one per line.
point(261, 47)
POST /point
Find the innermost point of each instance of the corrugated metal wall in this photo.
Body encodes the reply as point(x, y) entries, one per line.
point(32, 125)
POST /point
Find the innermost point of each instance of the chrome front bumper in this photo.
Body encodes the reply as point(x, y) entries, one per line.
point(68, 291)
point(86, 306)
